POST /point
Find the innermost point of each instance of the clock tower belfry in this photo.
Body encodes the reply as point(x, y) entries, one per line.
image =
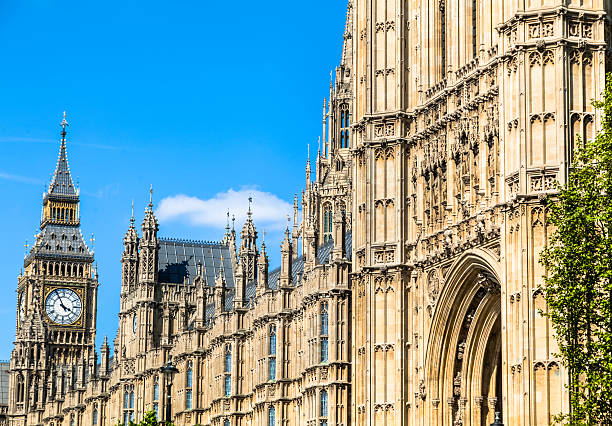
point(56, 295)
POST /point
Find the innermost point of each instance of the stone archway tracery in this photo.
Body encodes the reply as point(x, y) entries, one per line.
point(463, 361)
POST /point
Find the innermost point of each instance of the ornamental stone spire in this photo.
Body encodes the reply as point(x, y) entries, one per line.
point(248, 247)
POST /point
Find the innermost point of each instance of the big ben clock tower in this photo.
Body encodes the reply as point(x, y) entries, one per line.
point(56, 297)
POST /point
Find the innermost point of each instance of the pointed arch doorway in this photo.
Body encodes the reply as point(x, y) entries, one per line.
point(464, 354)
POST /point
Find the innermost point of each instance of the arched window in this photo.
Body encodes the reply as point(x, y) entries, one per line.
point(323, 403)
point(94, 415)
point(226, 422)
point(228, 358)
point(189, 385)
point(20, 388)
point(272, 354)
point(35, 389)
point(344, 126)
point(271, 416)
point(156, 396)
point(327, 222)
point(228, 370)
point(128, 404)
point(72, 420)
point(324, 331)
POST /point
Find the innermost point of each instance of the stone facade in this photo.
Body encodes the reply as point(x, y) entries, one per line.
point(409, 292)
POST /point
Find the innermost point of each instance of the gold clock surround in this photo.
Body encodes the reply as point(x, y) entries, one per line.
point(80, 292)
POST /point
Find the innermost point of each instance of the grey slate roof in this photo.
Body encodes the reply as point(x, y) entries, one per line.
point(61, 241)
point(62, 181)
point(178, 260)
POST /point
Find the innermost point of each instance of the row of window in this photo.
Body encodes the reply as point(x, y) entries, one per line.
point(128, 404)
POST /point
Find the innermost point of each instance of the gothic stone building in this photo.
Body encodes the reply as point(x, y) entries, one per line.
point(409, 293)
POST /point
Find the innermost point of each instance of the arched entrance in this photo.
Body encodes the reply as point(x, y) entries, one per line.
point(464, 354)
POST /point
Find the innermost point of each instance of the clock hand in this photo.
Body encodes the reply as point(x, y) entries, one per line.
point(63, 307)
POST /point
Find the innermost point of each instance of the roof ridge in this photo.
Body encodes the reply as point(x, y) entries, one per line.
point(188, 241)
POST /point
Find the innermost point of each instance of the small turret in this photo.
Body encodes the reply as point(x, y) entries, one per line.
point(220, 290)
point(240, 287)
point(104, 358)
point(201, 296)
point(148, 245)
point(129, 258)
point(262, 266)
point(248, 247)
point(295, 234)
point(286, 261)
point(286, 270)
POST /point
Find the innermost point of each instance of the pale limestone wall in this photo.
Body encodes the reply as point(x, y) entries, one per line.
point(460, 133)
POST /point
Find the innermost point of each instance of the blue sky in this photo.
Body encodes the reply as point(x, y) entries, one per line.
point(209, 102)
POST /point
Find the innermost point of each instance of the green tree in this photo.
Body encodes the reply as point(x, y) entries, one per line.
point(150, 419)
point(578, 285)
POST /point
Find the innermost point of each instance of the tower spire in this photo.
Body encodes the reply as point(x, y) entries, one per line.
point(62, 184)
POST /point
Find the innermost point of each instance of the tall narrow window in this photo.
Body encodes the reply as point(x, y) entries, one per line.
point(323, 403)
point(324, 331)
point(344, 126)
point(327, 222)
point(272, 354)
point(228, 370)
point(189, 386)
point(94, 415)
point(226, 422)
point(128, 404)
point(156, 396)
point(271, 416)
point(72, 420)
point(20, 388)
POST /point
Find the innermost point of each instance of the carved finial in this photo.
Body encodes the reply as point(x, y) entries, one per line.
point(64, 124)
point(26, 245)
point(151, 196)
point(132, 217)
point(233, 222)
point(93, 240)
point(250, 202)
point(263, 240)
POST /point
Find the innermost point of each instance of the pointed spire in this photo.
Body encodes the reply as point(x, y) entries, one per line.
point(324, 125)
point(221, 275)
point(62, 184)
point(345, 61)
point(149, 221)
point(262, 275)
point(248, 246)
point(151, 198)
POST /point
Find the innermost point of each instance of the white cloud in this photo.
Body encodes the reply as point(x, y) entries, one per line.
point(269, 211)
point(21, 179)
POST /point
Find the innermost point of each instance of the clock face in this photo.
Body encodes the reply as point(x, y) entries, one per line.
point(63, 306)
